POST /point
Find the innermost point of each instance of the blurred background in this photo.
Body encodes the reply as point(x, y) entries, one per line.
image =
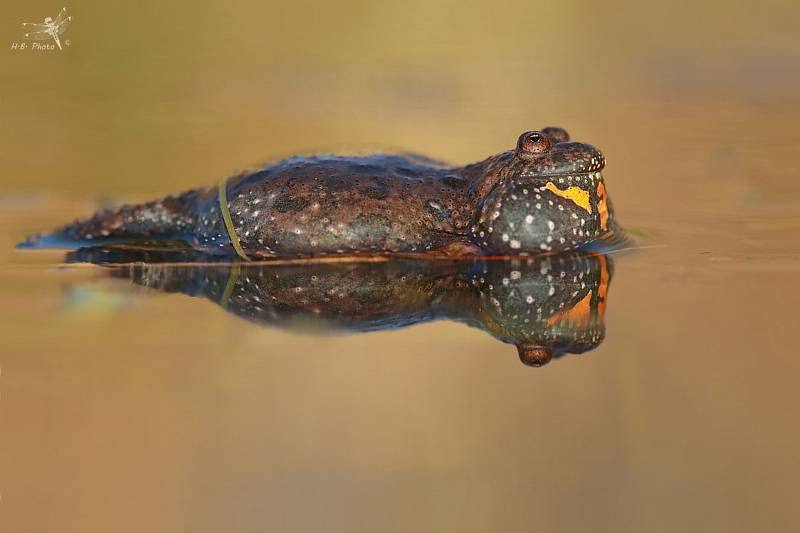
point(129, 410)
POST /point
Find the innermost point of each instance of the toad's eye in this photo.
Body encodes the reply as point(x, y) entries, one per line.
point(533, 142)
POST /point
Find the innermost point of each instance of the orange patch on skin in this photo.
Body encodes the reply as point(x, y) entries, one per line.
point(602, 206)
point(574, 194)
point(578, 315)
point(602, 289)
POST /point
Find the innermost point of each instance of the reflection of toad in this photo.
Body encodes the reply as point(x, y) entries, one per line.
point(545, 305)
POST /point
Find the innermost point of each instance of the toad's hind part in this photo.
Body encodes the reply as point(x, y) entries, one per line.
point(170, 218)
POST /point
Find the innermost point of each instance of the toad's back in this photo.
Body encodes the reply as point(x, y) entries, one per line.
point(335, 204)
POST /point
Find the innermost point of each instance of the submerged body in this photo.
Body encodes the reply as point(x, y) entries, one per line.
point(547, 195)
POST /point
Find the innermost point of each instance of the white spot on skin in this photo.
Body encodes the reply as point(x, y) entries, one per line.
point(529, 219)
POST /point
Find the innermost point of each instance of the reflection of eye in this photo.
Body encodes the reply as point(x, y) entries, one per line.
point(533, 142)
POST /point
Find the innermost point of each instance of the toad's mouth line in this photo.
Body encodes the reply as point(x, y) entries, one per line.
point(563, 177)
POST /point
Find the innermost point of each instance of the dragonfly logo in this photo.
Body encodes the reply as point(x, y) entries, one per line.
point(48, 30)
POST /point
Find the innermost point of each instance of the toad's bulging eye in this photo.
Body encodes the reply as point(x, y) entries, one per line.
point(533, 142)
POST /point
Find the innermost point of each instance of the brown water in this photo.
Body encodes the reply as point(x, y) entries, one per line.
point(128, 409)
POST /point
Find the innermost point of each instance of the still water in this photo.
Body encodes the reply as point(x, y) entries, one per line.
point(145, 394)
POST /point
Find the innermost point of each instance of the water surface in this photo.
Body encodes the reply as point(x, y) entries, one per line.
point(127, 408)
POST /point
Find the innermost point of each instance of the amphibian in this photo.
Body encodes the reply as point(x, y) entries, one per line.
point(545, 195)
